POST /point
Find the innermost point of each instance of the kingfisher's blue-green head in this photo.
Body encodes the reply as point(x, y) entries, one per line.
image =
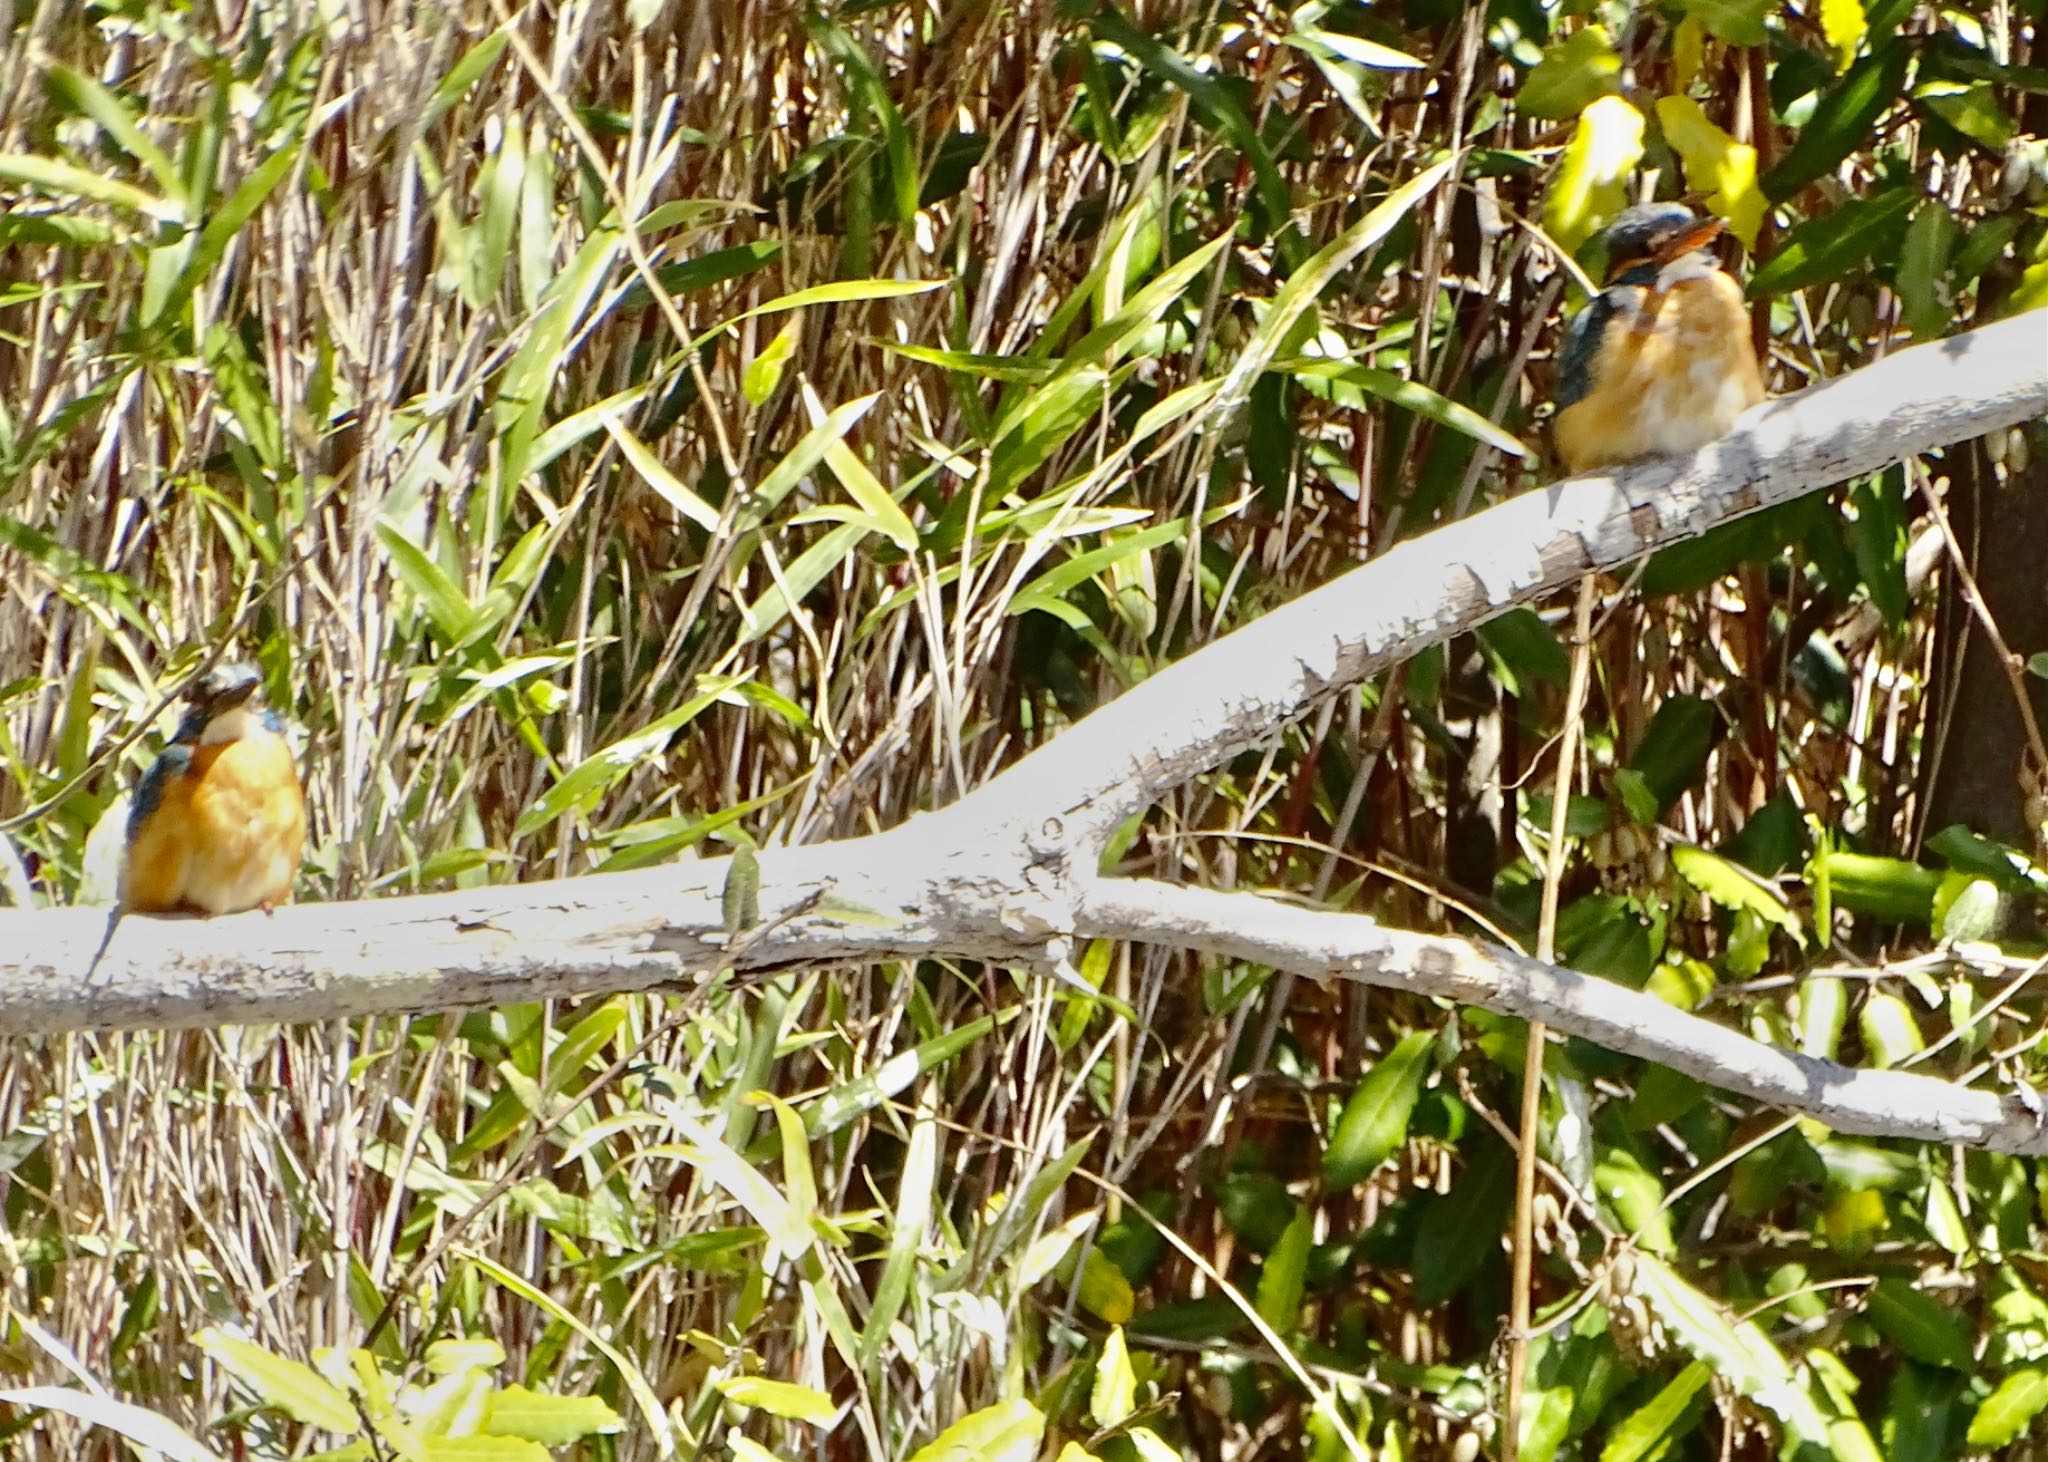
point(1643, 241)
point(223, 703)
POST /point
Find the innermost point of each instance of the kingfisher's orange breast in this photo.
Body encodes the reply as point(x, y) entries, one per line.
point(1670, 380)
point(225, 836)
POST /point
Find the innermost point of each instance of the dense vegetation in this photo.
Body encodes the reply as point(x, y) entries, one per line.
point(620, 431)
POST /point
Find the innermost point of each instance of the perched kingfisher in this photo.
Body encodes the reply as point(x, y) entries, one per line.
point(219, 822)
point(1660, 361)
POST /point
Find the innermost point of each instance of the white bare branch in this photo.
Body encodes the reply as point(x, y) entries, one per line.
point(1007, 874)
point(1326, 945)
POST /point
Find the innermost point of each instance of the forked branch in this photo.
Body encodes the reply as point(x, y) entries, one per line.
point(1007, 874)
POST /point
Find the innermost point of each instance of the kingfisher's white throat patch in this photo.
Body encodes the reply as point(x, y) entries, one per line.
point(233, 725)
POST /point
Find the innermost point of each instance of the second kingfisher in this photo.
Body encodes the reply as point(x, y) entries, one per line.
point(219, 822)
point(1660, 361)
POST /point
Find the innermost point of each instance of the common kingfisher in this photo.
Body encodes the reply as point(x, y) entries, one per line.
point(219, 822)
point(1660, 361)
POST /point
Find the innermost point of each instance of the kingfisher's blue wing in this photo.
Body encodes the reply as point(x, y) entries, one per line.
point(1582, 339)
point(175, 760)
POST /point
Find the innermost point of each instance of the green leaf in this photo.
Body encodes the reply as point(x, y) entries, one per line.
point(1970, 852)
point(1673, 752)
point(221, 230)
point(1410, 395)
point(1283, 1278)
point(550, 1420)
point(1217, 102)
point(1636, 1196)
point(1592, 180)
point(1878, 536)
point(838, 291)
point(578, 790)
point(987, 367)
point(1355, 49)
point(807, 453)
point(1374, 1124)
point(1654, 1428)
point(691, 275)
point(2009, 1411)
point(1923, 271)
point(297, 1390)
point(80, 93)
point(1852, 1221)
point(914, 1195)
point(1525, 652)
point(1009, 1431)
point(1824, 250)
point(1046, 592)
point(1734, 887)
point(464, 74)
point(1461, 1229)
point(1966, 909)
point(1891, 1036)
point(1113, 1395)
point(63, 179)
point(447, 607)
point(1307, 283)
point(1972, 108)
point(1572, 75)
point(740, 896)
point(1823, 1014)
point(654, 472)
point(500, 183)
point(866, 82)
point(1844, 121)
point(854, 1099)
point(1920, 1325)
point(1738, 22)
point(1890, 888)
point(878, 508)
point(764, 372)
point(1741, 1355)
point(786, 1399)
point(798, 579)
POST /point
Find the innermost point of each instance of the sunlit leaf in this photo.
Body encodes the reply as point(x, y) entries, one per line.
point(780, 1398)
point(1009, 1431)
point(1590, 187)
point(293, 1388)
point(1715, 164)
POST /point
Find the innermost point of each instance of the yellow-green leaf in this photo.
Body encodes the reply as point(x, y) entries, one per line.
point(780, 1398)
point(2010, 1409)
point(1590, 186)
point(1732, 886)
point(1114, 1395)
point(1843, 23)
point(657, 476)
point(1104, 1291)
point(1715, 164)
point(1009, 1431)
point(764, 371)
point(865, 488)
point(553, 1421)
point(295, 1389)
point(1890, 1034)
